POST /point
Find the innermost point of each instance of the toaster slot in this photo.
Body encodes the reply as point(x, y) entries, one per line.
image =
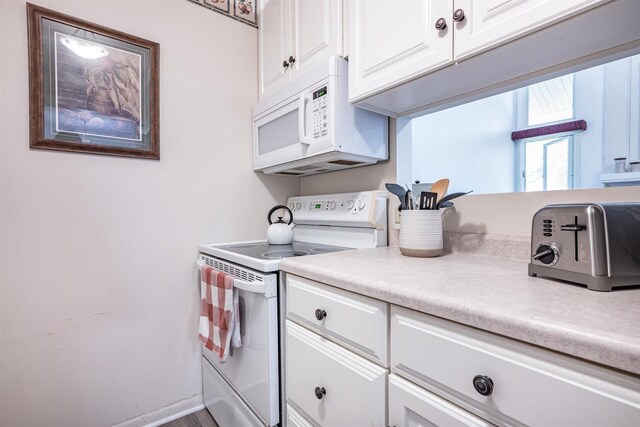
point(576, 228)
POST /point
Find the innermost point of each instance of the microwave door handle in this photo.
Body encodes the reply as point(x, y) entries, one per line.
point(302, 121)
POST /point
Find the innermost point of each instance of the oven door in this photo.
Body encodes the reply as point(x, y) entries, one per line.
point(252, 371)
point(284, 133)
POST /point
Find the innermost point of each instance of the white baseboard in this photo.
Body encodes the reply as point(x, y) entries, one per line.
point(166, 414)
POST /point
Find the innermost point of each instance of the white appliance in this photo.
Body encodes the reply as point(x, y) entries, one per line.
point(247, 389)
point(309, 127)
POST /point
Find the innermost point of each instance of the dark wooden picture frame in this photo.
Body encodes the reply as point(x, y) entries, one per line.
point(92, 89)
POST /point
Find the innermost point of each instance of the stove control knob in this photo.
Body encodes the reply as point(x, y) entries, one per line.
point(361, 204)
point(546, 254)
point(350, 204)
point(292, 206)
point(332, 205)
point(298, 205)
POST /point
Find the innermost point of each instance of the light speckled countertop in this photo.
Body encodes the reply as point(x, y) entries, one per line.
point(492, 294)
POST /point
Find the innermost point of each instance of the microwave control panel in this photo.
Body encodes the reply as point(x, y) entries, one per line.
point(320, 119)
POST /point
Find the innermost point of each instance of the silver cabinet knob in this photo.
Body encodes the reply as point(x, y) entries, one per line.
point(458, 15)
point(441, 24)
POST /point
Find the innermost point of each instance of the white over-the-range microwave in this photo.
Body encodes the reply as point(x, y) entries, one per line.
point(309, 127)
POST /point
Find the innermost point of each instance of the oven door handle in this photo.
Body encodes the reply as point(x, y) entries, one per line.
point(255, 287)
point(243, 285)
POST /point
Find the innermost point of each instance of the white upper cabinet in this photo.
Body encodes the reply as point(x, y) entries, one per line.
point(317, 32)
point(392, 41)
point(452, 48)
point(274, 44)
point(487, 23)
point(295, 35)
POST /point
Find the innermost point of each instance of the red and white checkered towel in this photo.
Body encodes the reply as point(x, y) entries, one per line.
point(219, 314)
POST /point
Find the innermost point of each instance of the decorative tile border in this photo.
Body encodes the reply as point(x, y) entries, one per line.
point(240, 10)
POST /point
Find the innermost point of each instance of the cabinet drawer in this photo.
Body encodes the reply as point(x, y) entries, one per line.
point(530, 385)
point(223, 402)
point(354, 388)
point(295, 419)
point(413, 406)
point(355, 321)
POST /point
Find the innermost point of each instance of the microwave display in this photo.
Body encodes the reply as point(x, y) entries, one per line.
point(320, 92)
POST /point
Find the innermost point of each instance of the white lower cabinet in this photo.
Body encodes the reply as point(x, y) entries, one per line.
point(330, 385)
point(506, 381)
point(354, 321)
point(442, 373)
point(413, 406)
point(295, 419)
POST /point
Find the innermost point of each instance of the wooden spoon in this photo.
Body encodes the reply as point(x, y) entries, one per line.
point(440, 186)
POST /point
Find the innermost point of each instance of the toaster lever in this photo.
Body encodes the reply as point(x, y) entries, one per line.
point(572, 227)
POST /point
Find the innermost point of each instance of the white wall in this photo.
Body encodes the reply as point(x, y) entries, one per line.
point(98, 300)
point(511, 213)
point(358, 179)
point(470, 144)
point(588, 105)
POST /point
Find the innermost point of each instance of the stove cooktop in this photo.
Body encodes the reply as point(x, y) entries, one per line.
point(264, 257)
point(263, 250)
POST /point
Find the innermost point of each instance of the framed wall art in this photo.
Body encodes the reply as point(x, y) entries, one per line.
point(92, 89)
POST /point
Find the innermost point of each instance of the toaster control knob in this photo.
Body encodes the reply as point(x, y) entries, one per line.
point(546, 254)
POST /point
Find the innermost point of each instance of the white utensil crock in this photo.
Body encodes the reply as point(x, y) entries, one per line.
point(421, 233)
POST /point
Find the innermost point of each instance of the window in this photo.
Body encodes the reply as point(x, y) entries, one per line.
point(546, 143)
point(550, 101)
point(549, 164)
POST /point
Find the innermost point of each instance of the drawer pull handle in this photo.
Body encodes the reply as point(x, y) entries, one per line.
point(320, 392)
point(320, 314)
point(483, 385)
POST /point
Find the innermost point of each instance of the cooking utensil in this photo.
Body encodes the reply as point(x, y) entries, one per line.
point(398, 191)
point(445, 204)
point(440, 186)
point(450, 197)
point(408, 200)
point(428, 200)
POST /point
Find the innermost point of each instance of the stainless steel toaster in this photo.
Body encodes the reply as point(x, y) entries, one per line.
point(597, 245)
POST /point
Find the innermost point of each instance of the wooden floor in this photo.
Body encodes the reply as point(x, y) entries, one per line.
point(201, 418)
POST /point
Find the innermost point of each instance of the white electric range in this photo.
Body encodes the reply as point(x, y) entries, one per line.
point(247, 388)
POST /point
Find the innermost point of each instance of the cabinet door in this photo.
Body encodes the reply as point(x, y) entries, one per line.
point(413, 406)
point(392, 42)
point(489, 23)
point(521, 382)
point(317, 32)
point(355, 321)
point(274, 36)
point(330, 385)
